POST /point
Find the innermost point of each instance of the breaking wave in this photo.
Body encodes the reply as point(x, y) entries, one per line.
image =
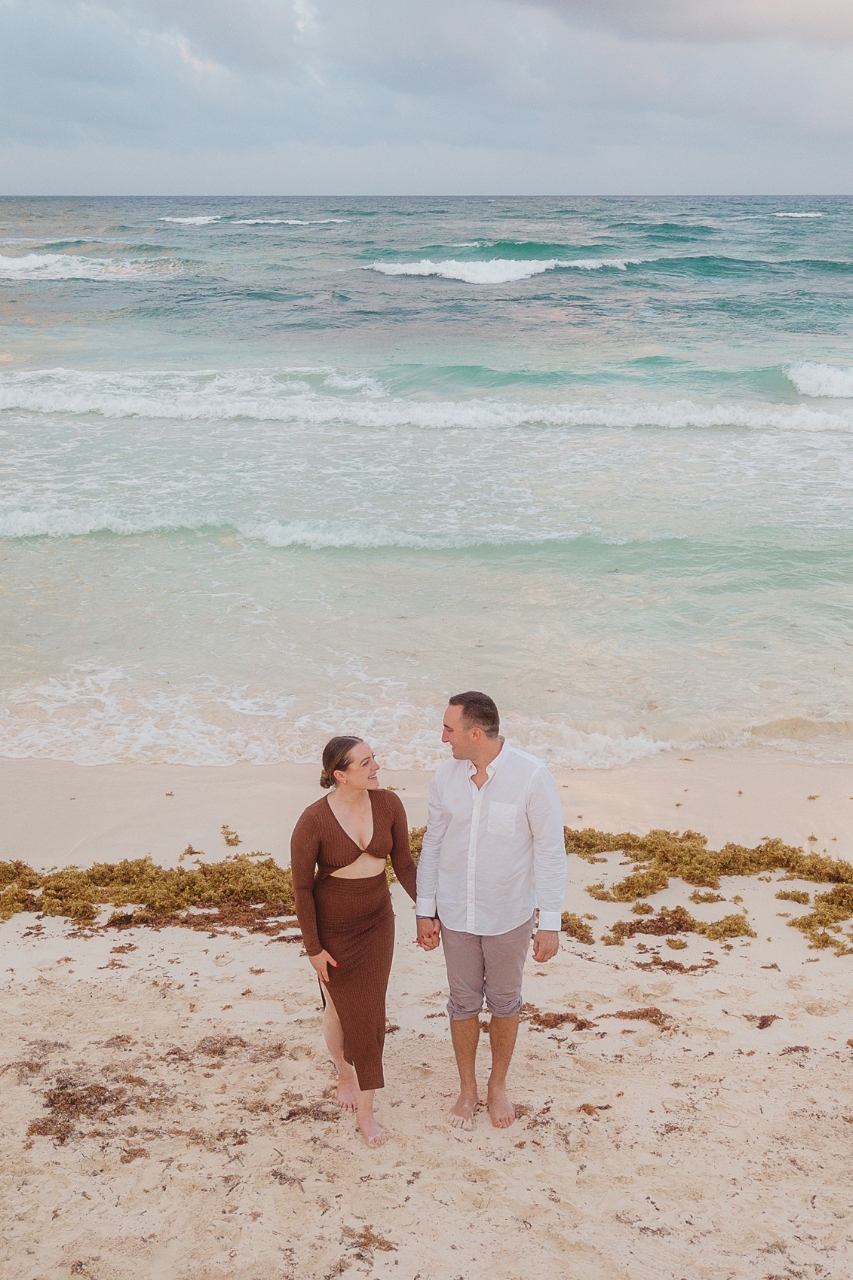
point(290, 397)
point(202, 220)
point(66, 266)
point(63, 522)
point(497, 270)
point(822, 380)
point(286, 222)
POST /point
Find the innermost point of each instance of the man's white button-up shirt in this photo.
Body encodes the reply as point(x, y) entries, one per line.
point(492, 854)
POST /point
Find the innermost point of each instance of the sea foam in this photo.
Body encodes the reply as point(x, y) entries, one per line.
point(260, 395)
point(286, 222)
point(103, 715)
point(67, 266)
point(822, 380)
point(497, 270)
point(202, 220)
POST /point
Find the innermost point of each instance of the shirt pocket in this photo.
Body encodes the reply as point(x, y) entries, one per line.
point(501, 819)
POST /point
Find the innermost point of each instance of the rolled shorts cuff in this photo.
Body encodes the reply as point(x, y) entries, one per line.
point(485, 967)
point(497, 1008)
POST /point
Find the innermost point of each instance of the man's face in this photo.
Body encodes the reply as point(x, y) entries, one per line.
point(462, 740)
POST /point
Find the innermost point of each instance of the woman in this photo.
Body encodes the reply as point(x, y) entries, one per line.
point(338, 853)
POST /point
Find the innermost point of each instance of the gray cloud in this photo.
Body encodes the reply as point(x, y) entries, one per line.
point(579, 89)
point(815, 21)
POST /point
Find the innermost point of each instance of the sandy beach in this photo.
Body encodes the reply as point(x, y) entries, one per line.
point(59, 814)
point(166, 1096)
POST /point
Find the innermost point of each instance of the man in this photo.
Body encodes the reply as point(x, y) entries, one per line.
point(493, 852)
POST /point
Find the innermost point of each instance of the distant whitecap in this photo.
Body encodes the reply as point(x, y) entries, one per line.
point(286, 222)
point(200, 221)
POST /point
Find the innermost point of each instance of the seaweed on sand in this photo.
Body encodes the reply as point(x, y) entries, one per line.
point(577, 928)
point(661, 854)
point(248, 891)
point(553, 1021)
point(676, 920)
point(416, 840)
point(241, 891)
point(73, 1100)
point(640, 884)
point(822, 925)
point(650, 1013)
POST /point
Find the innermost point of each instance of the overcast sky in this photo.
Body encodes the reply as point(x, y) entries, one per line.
point(425, 96)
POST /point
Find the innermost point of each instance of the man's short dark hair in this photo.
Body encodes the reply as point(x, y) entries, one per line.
point(478, 709)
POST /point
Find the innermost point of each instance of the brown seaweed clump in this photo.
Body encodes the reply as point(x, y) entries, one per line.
point(73, 1100)
point(668, 853)
point(553, 1021)
point(823, 925)
point(675, 920)
point(241, 891)
point(650, 1013)
point(794, 895)
point(577, 928)
point(641, 884)
point(363, 1243)
point(416, 841)
point(675, 966)
point(313, 1111)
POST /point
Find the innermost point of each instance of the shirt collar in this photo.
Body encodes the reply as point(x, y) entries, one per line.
point(491, 769)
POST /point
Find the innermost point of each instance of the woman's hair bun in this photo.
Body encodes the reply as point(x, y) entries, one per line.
point(336, 758)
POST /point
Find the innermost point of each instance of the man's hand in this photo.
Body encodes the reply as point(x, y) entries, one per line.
point(546, 944)
point(429, 932)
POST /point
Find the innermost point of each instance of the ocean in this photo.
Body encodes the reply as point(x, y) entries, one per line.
point(276, 469)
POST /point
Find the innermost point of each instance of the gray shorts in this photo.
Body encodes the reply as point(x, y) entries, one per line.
point(487, 965)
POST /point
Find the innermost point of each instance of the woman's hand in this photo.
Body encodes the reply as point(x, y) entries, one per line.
point(429, 932)
point(321, 963)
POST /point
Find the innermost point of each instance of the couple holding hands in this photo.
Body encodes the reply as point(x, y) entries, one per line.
point(493, 854)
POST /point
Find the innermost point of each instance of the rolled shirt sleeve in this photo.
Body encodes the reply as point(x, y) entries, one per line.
point(550, 865)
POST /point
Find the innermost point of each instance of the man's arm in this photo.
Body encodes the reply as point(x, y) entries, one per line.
point(550, 865)
point(425, 903)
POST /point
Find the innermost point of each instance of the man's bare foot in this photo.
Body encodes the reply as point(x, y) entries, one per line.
point(348, 1091)
point(372, 1132)
point(501, 1109)
point(462, 1111)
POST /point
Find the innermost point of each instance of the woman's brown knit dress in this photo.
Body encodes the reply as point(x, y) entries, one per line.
point(352, 919)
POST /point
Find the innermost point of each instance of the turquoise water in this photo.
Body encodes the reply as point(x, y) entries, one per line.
point(273, 469)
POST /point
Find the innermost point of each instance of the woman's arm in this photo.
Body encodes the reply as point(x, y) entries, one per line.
point(304, 849)
point(401, 849)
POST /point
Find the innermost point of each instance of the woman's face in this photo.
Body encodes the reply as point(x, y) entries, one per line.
point(361, 771)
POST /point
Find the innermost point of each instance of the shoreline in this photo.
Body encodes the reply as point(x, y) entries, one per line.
point(59, 814)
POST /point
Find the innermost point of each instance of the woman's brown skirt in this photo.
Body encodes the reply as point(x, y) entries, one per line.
point(355, 922)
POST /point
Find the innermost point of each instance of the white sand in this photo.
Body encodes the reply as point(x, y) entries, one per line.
point(125, 811)
point(715, 1149)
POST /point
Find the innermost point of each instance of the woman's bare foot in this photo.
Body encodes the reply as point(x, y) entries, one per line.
point(348, 1090)
point(462, 1111)
point(372, 1132)
point(501, 1109)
